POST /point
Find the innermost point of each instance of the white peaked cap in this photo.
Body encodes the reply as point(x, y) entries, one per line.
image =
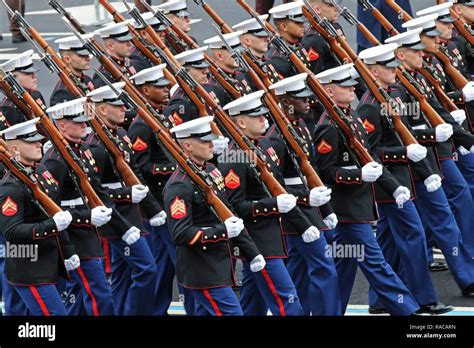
point(294, 86)
point(291, 10)
point(252, 26)
point(194, 58)
point(118, 31)
point(409, 39)
point(72, 110)
point(106, 95)
point(248, 105)
point(72, 43)
point(199, 128)
point(153, 75)
point(232, 39)
point(22, 62)
point(341, 76)
point(427, 23)
point(151, 20)
point(25, 131)
point(178, 7)
point(382, 54)
point(443, 11)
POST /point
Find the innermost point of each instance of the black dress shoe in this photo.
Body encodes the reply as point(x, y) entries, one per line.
point(18, 39)
point(435, 308)
point(469, 291)
point(436, 266)
point(377, 310)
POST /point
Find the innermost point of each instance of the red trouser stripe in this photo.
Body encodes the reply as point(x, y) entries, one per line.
point(213, 303)
point(95, 310)
point(105, 245)
point(274, 292)
point(40, 301)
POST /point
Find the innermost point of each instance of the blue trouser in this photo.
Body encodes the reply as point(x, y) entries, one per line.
point(460, 201)
point(366, 253)
point(164, 253)
point(314, 275)
point(41, 299)
point(466, 166)
point(216, 302)
point(133, 277)
point(271, 288)
point(12, 302)
point(94, 296)
point(401, 237)
point(374, 25)
point(436, 215)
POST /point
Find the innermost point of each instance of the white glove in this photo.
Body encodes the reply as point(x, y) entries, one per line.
point(72, 263)
point(331, 221)
point(46, 146)
point(220, 144)
point(443, 132)
point(139, 192)
point(319, 196)
point(257, 264)
point(401, 195)
point(463, 151)
point(131, 236)
point(234, 226)
point(100, 215)
point(311, 234)
point(433, 182)
point(416, 152)
point(159, 219)
point(62, 220)
point(285, 202)
point(371, 171)
point(468, 92)
point(267, 124)
point(459, 116)
point(472, 149)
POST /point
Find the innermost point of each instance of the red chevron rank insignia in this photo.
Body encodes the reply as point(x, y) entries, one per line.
point(90, 86)
point(9, 207)
point(139, 145)
point(177, 120)
point(312, 55)
point(232, 180)
point(324, 147)
point(178, 208)
point(369, 127)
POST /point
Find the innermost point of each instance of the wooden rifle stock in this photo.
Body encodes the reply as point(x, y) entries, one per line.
point(456, 77)
point(29, 180)
point(345, 53)
point(333, 110)
point(223, 26)
point(136, 39)
point(47, 128)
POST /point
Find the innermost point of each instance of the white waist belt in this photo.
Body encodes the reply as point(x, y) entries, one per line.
point(293, 181)
point(113, 185)
point(350, 167)
point(421, 126)
point(72, 202)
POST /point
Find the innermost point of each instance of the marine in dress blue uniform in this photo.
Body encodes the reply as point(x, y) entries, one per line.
point(272, 288)
point(133, 268)
point(353, 198)
point(312, 271)
point(33, 280)
point(400, 232)
point(431, 202)
point(204, 259)
point(88, 289)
